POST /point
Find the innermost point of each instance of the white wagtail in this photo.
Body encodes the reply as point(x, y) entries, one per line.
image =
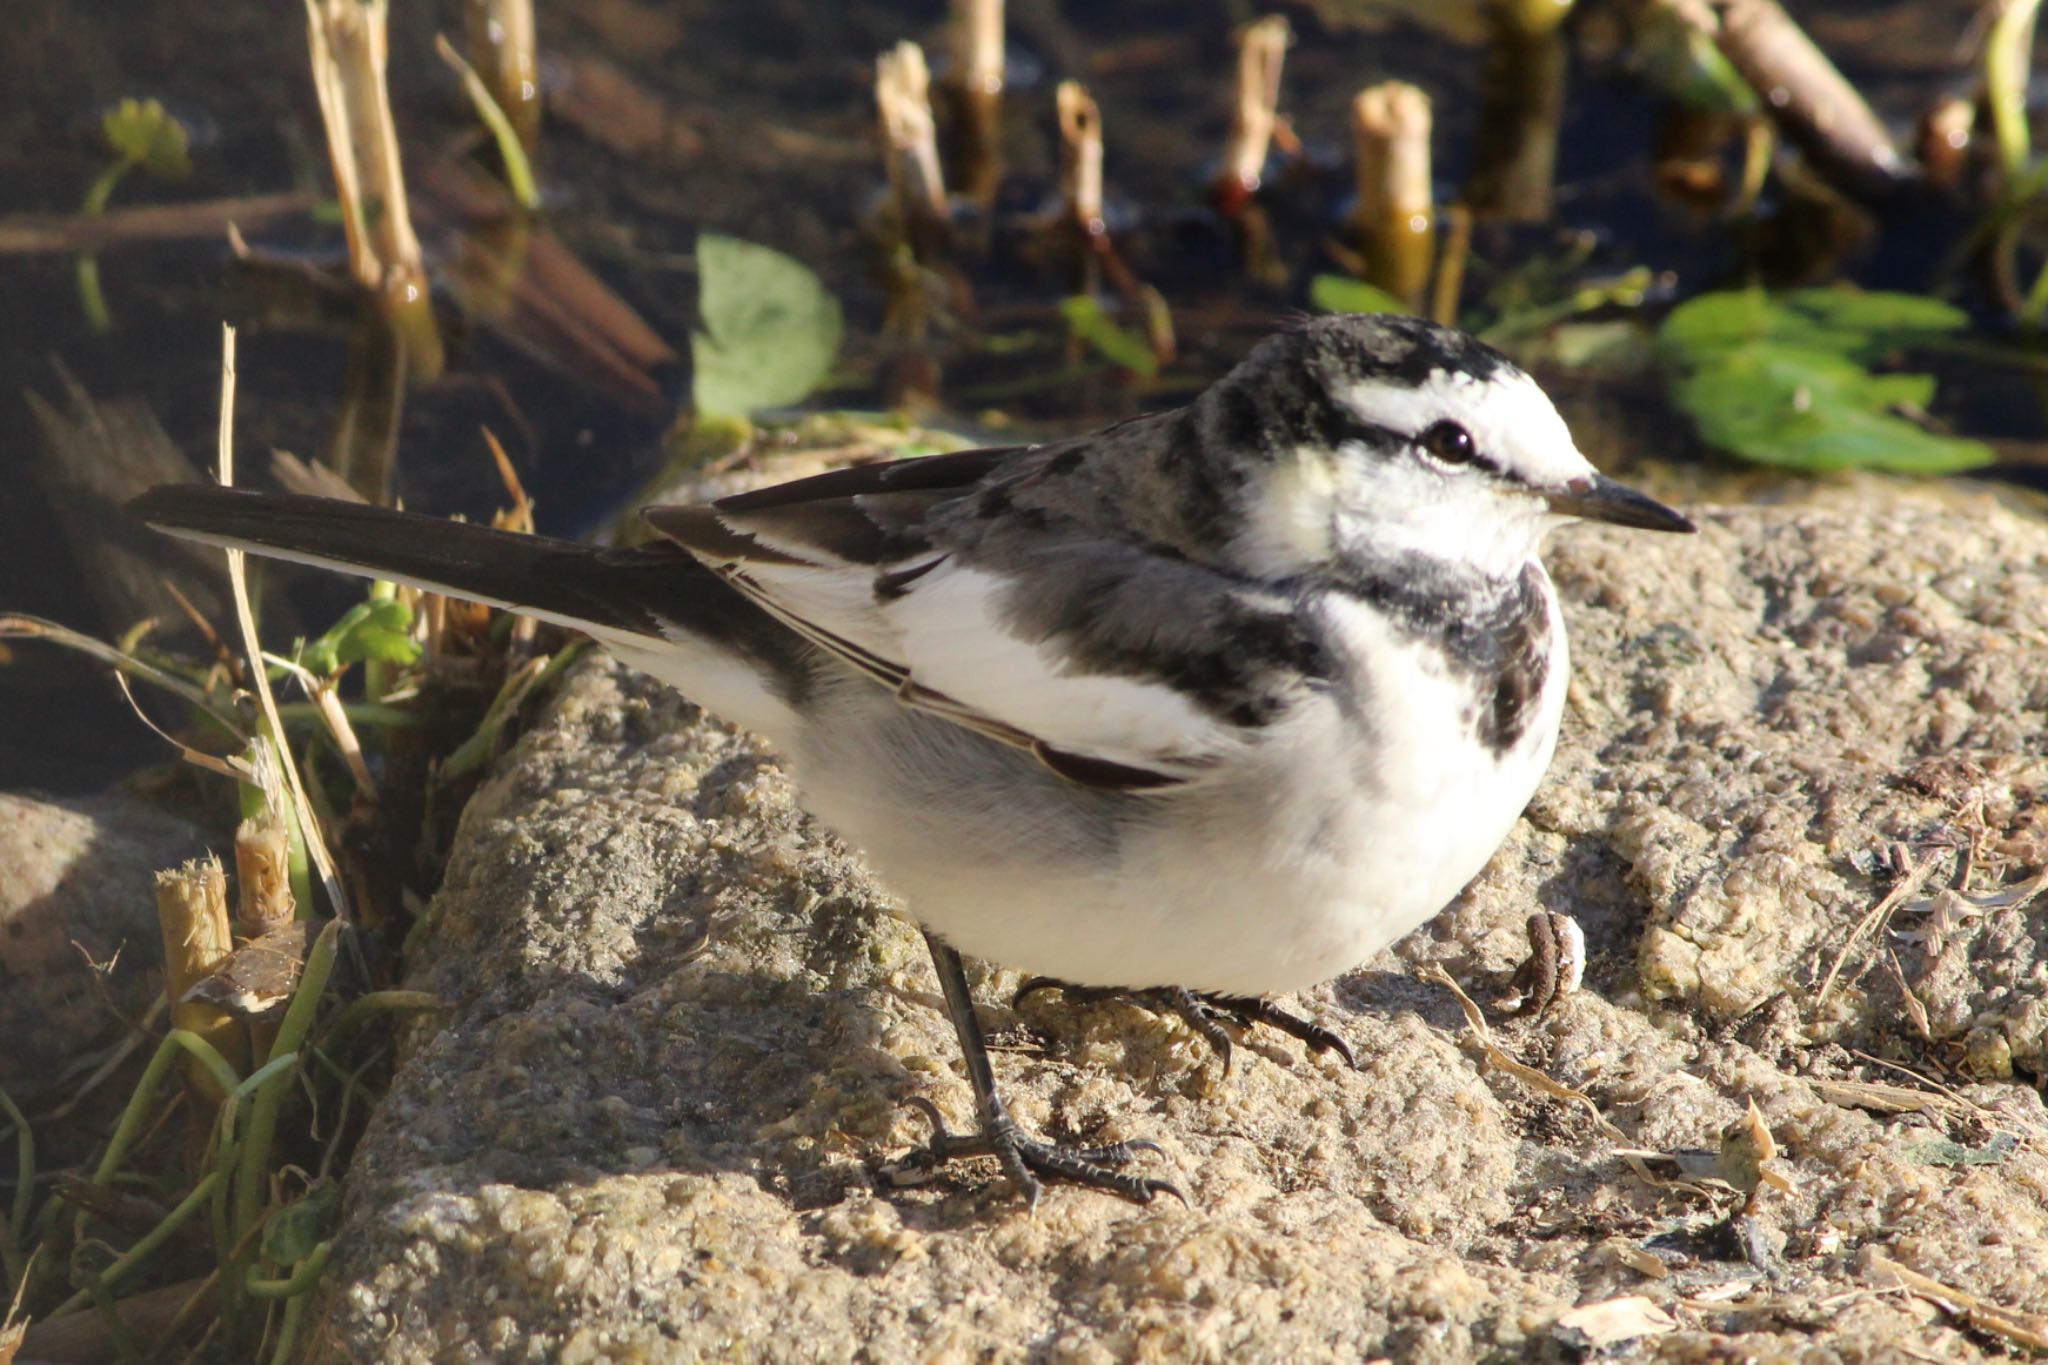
point(1208, 705)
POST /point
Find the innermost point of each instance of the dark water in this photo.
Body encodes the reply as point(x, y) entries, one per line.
point(779, 91)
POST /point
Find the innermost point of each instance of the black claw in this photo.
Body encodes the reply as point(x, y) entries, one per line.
point(1024, 1159)
point(1253, 1009)
point(1198, 1015)
point(1205, 1014)
point(1034, 986)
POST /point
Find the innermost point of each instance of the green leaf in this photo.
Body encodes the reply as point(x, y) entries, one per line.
point(1816, 412)
point(1780, 380)
point(1086, 320)
point(1878, 312)
point(291, 1233)
point(1342, 294)
point(1615, 344)
point(770, 329)
point(1712, 321)
point(379, 630)
point(1841, 320)
point(141, 132)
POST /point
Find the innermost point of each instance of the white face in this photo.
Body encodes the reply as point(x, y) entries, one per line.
point(1487, 513)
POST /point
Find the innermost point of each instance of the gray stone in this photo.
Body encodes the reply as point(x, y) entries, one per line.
point(79, 943)
point(627, 1143)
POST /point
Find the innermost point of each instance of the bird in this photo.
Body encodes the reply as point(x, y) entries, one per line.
point(1208, 705)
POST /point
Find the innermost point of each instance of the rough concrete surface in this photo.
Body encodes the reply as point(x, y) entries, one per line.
point(78, 927)
point(626, 1142)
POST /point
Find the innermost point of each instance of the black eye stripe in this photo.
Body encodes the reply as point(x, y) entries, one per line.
point(1441, 440)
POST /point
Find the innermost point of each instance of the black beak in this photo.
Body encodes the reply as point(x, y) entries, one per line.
point(1599, 498)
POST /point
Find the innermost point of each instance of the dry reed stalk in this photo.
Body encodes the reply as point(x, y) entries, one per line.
point(350, 46)
point(1255, 112)
point(1521, 108)
point(505, 52)
point(192, 912)
point(911, 147)
point(977, 91)
point(1080, 156)
point(1396, 213)
point(1806, 95)
point(263, 884)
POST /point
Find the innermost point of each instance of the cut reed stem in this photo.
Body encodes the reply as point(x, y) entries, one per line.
point(1396, 214)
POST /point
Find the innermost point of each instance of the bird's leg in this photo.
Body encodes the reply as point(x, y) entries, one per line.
point(1024, 1159)
point(1205, 1013)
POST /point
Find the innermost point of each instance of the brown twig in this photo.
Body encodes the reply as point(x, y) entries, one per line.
point(608, 106)
point(516, 277)
point(1806, 95)
point(149, 1316)
point(1914, 877)
point(978, 56)
point(290, 790)
point(28, 233)
point(2022, 1329)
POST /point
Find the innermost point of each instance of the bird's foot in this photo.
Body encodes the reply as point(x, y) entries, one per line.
point(1205, 1013)
point(1248, 1010)
point(1029, 1161)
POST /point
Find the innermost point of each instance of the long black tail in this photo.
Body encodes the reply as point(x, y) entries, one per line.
point(651, 599)
point(555, 578)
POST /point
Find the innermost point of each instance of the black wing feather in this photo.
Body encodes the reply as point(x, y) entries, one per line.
point(644, 590)
point(957, 471)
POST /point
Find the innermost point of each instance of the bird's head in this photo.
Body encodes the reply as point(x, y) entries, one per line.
point(1370, 434)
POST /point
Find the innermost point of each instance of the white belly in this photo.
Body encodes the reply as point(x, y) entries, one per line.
point(1330, 841)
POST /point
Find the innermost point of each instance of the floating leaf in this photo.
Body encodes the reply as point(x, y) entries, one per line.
point(1342, 294)
point(1843, 321)
point(1781, 381)
point(1086, 320)
point(1885, 316)
point(770, 329)
point(142, 133)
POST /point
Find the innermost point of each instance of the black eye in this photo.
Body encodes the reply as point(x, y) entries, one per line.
point(1450, 443)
